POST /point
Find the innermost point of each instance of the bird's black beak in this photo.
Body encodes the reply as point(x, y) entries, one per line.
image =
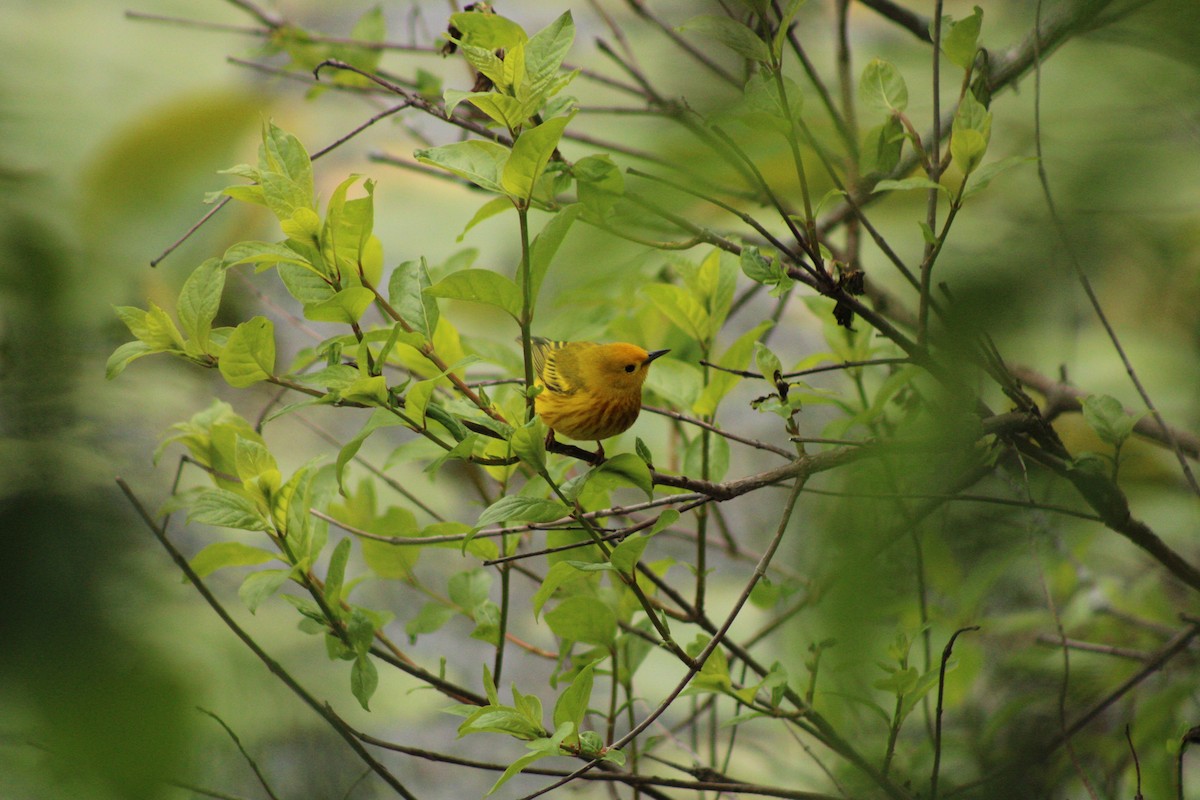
point(655, 354)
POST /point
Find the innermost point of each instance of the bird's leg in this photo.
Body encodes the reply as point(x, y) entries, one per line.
point(550, 440)
point(598, 456)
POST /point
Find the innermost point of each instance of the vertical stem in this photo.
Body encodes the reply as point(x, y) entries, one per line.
point(935, 171)
point(810, 222)
point(526, 323)
point(526, 320)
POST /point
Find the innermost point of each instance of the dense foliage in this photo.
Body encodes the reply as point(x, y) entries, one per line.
point(846, 551)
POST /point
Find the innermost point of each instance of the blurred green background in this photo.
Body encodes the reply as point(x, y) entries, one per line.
point(112, 130)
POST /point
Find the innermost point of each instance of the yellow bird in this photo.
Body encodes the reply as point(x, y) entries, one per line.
point(590, 391)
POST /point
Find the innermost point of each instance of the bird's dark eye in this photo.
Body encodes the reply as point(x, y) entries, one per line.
point(630, 367)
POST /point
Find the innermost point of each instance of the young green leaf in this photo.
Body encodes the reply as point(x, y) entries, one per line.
point(226, 509)
point(582, 619)
point(527, 509)
point(406, 294)
point(249, 354)
point(220, 555)
point(960, 39)
point(258, 586)
point(882, 88)
point(480, 286)
point(530, 154)
point(477, 161)
point(572, 704)
point(546, 49)
point(364, 679)
point(546, 244)
point(681, 307)
point(345, 307)
point(730, 33)
point(199, 300)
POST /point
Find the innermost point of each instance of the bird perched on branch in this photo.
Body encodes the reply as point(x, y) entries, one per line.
point(590, 391)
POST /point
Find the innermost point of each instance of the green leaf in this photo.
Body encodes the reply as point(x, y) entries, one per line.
point(600, 184)
point(488, 31)
point(497, 205)
point(380, 418)
point(718, 457)
point(249, 354)
point(546, 49)
point(907, 184)
point(762, 104)
point(968, 148)
point(285, 172)
point(572, 704)
point(480, 286)
point(406, 294)
point(626, 555)
point(882, 88)
point(364, 679)
point(429, 619)
point(529, 444)
point(260, 585)
point(960, 39)
point(623, 469)
point(546, 244)
point(347, 231)
point(123, 355)
point(477, 161)
point(345, 307)
point(153, 327)
point(1106, 416)
point(732, 34)
point(767, 362)
point(226, 509)
point(882, 145)
point(680, 307)
point(392, 561)
point(469, 589)
point(199, 300)
point(519, 508)
point(335, 575)
point(583, 619)
point(220, 555)
point(735, 358)
point(981, 177)
point(530, 154)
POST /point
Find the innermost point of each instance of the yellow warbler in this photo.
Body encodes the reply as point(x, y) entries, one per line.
point(590, 391)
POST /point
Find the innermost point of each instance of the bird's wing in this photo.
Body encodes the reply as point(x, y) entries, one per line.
point(547, 364)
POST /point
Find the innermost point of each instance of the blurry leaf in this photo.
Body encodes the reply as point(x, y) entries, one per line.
point(1106, 416)
point(882, 88)
point(529, 444)
point(429, 619)
point(881, 148)
point(730, 33)
point(220, 555)
point(960, 38)
point(623, 469)
point(469, 589)
point(380, 418)
point(600, 184)
point(582, 619)
point(680, 307)
point(981, 177)
point(968, 148)
point(545, 245)
point(718, 457)
point(735, 358)
point(364, 679)
point(497, 205)
point(249, 355)
point(260, 585)
point(907, 184)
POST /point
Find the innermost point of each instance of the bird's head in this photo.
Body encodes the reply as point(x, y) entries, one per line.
point(622, 366)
